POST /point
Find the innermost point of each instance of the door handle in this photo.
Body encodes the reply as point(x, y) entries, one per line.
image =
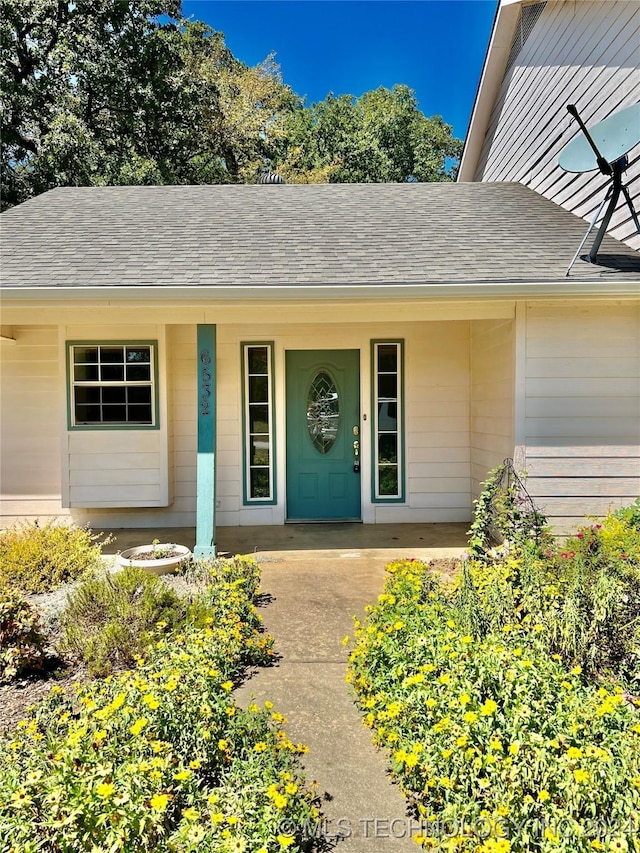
point(356, 456)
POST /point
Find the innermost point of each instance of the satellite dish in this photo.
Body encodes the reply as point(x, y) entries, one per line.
point(603, 146)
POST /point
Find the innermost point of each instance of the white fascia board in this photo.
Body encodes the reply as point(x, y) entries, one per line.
point(490, 81)
point(463, 289)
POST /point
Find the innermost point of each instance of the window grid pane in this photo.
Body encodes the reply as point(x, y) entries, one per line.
point(387, 407)
point(112, 385)
point(258, 437)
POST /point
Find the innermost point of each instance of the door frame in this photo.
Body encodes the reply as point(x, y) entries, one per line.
point(357, 377)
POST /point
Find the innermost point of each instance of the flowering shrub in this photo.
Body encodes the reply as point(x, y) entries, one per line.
point(585, 593)
point(38, 558)
point(21, 640)
point(159, 757)
point(498, 744)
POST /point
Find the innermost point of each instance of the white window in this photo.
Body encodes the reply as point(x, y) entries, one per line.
point(112, 384)
point(388, 427)
point(258, 423)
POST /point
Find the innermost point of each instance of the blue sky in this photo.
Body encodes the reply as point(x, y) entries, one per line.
point(436, 47)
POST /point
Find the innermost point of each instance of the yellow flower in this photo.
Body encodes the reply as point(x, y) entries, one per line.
point(576, 670)
point(227, 685)
point(279, 800)
point(223, 744)
point(488, 708)
point(190, 813)
point(159, 802)
point(291, 788)
point(514, 749)
point(464, 699)
point(445, 678)
point(285, 840)
point(137, 727)
point(573, 752)
point(543, 796)
point(580, 775)
point(105, 789)
point(467, 639)
point(181, 775)
point(20, 798)
point(118, 702)
point(470, 717)
point(151, 701)
point(195, 764)
point(260, 746)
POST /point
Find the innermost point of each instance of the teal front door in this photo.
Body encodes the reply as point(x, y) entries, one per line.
point(323, 422)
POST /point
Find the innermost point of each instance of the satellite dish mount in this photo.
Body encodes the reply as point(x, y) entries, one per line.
point(616, 135)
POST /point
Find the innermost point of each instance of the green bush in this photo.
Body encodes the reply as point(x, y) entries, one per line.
point(160, 758)
point(499, 745)
point(39, 558)
point(22, 644)
point(585, 592)
point(111, 618)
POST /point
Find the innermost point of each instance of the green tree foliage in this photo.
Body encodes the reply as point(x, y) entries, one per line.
point(126, 92)
point(380, 137)
point(108, 92)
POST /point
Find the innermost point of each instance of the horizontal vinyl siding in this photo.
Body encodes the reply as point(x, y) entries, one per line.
point(436, 417)
point(30, 413)
point(582, 413)
point(584, 53)
point(492, 389)
point(181, 454)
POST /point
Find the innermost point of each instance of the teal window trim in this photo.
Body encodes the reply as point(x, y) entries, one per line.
point(71, 384)
point(376, 497)
point(247, 499)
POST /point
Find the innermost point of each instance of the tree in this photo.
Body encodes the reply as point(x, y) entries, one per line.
point(104, 92)
point(126, 92)
point(381, 136)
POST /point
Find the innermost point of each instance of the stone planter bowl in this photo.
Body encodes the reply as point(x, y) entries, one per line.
point(161, 566)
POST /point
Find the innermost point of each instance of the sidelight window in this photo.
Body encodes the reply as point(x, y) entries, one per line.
point(388, 426)
point(257, 360)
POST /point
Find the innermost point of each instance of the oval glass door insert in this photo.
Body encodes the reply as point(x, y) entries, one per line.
point(323, 411)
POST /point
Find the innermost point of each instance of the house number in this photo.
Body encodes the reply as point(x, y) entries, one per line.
point(205, 383)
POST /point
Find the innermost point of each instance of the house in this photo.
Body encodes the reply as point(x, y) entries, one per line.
point(541, 57)
point(245, 355)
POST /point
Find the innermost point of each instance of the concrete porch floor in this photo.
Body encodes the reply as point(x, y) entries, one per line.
point(413, 540)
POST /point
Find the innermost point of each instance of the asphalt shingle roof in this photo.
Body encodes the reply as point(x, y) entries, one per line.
point(335, 234)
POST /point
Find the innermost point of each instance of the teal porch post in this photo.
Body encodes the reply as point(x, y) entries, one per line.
point(206, 464)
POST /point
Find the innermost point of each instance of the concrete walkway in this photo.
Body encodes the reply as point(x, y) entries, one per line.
point(315, 578)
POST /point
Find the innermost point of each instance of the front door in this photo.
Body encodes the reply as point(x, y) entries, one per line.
point(323, 422)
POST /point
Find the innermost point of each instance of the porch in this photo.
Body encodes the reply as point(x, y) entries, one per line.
point(423, 541)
